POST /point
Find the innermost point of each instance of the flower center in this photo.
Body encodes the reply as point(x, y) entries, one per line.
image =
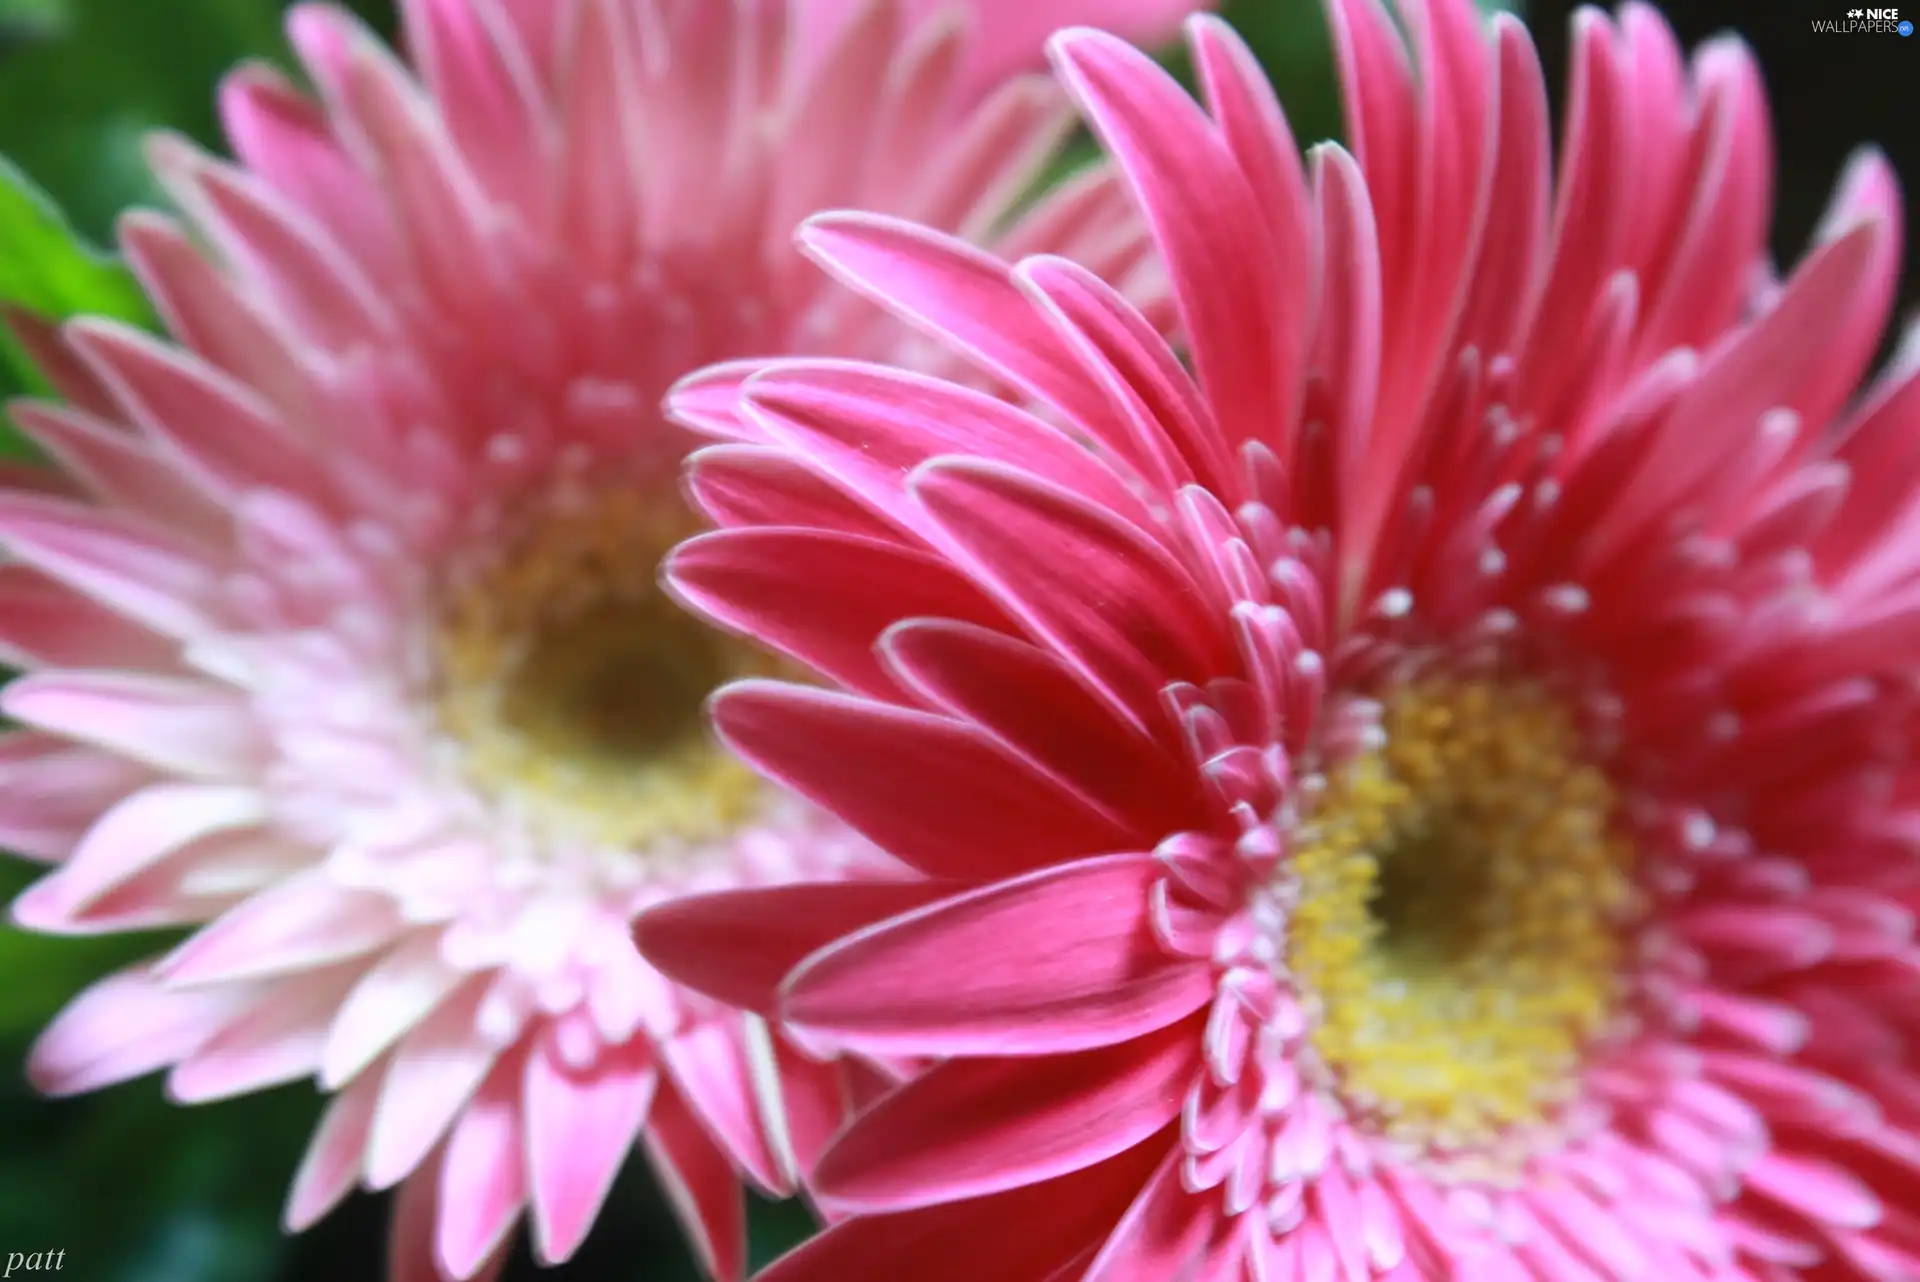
point(571, 686)
point(1457, 934)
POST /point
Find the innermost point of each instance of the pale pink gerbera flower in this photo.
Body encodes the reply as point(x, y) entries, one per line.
point(346, 635)
point(1427, 794)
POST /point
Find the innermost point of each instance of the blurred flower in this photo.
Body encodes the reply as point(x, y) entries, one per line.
point(343, 616)
point(1428, 795)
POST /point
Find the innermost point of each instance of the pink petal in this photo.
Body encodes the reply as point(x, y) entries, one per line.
point(1026, 1235)
point(967, 1128)
point(1032, 703)
point(171, 723)
point(137, 834)
point(395, 994)
point(304, 922)
point(835, 112)
point(1163, 1233)
point(278, 1041)
point(769, 930)
point(802, 1107)
point(124, 469)
point(700, 1184)
point(206, 310)
point(581, 1124)
point(1154, 418)
point(869, 427)
point(956, 293)
point(485, 89)
point(746, 485)
point(1058, 960)
point(430, 1077)
point(1207, 225)
point(315, 287)
point(483, 1175)
point(125, 1026)
point(332, 1163)
point(137, 570)
point(824, 598)
point(1815, 1188)
point(412, 1254)
point(52, 791)
point(864, 762)
point(45, 344)
point(599, 186)
point(710, 1072)
point(227, 438)
point(285, 138)
point(1108, 598)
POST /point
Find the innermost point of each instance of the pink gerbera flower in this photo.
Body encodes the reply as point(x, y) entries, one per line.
point(1422, 788)
point(343, 618)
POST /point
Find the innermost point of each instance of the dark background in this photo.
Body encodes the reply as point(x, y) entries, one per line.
point(136, 1190)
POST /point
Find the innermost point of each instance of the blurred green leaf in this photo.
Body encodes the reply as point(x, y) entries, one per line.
point(46, 268)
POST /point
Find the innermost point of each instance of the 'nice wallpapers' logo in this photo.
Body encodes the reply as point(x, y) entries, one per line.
point(1866, 22)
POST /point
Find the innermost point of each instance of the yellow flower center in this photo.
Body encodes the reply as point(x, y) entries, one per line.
point(572, 686)
point(1457, 934)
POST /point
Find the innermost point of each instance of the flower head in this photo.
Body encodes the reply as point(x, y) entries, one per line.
point(1416, 785)
point(345, 639)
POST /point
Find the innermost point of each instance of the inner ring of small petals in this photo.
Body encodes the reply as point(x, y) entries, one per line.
point(570, 687)
point(1459, 897)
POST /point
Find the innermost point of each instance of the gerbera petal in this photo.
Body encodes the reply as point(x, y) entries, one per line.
point(744, 485)
point(1033, 704)
point(134, 836)
point(951, 290)
point(968, 1128)
point(332, 1164)
point(773, 927)
point(711, 1071)
point(412, 1248)
point(305, 922)
point(824, 598)
point(879, 425)
point(847, 754)
point(125, 1026)
point(1099, 979)
point(580, 1127)
point(388, 999)
point(119, 466)
point(51, 792)
point(702, 1188)
point(1206, 224)
point(273, 1043)
point(1114, 601)
point(1025, 1235)
point(190, 727)
point(119, 562)
point(226, 437)
point(430, 1076)
point(482, 1175)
